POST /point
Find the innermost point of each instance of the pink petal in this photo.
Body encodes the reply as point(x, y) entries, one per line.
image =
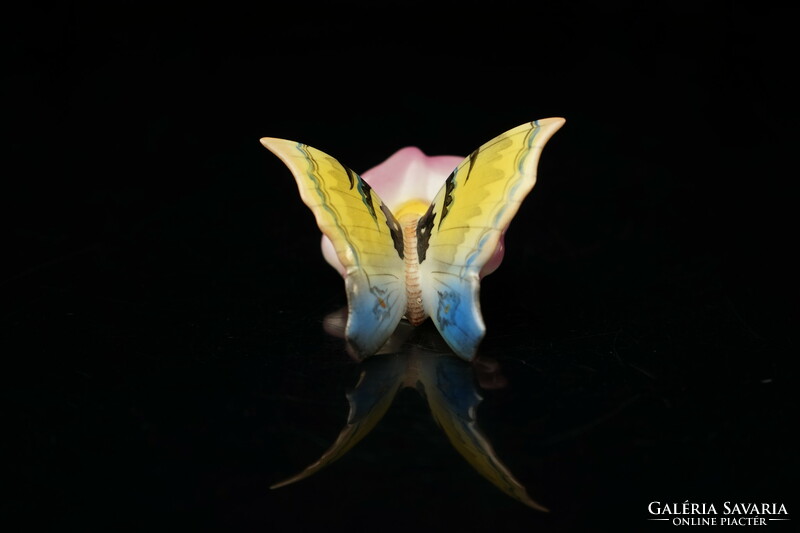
point(497, 258)
point(409, 174)
point(329, 253)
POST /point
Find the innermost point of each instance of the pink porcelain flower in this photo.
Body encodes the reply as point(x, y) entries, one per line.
point(410, 175)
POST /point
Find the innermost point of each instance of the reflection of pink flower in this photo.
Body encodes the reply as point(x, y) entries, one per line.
point(407, 176)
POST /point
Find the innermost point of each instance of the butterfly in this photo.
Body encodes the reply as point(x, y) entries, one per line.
point(423, 260)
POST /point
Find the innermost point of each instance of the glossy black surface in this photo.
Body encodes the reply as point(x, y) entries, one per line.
point(163, 295)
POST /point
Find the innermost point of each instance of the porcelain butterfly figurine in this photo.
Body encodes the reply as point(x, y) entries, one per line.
point(419, 259)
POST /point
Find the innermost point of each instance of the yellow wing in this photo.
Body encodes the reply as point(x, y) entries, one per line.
point(367, 238)
point(462, 227)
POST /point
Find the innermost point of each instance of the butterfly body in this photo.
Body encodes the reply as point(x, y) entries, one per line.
point(415, 311)
point(424, 259)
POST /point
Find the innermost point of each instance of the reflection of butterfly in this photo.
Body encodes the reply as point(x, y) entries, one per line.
point(416, 262)
point(450, 388)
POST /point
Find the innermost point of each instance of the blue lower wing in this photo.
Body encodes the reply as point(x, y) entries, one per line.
point(376, 304)
point(453, 304)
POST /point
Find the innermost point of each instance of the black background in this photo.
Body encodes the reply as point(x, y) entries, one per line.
point(163, 293)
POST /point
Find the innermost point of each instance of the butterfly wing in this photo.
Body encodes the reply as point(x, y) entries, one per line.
point(462, 228)
point(367, 238)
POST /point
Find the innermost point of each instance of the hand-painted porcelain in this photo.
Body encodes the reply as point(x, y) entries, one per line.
point(405, 255)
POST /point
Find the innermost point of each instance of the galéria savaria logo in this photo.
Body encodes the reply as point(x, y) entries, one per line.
point(718, 514)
